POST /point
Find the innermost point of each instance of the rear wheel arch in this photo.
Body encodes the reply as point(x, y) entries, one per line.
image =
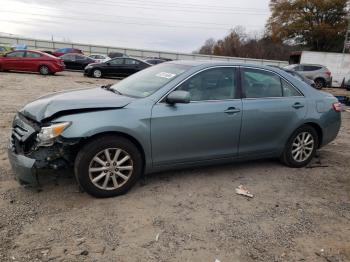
point(318, 130)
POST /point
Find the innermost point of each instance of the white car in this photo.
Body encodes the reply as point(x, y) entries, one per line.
point(99, 58)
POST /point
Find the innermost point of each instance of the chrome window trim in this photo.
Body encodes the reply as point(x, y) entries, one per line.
point(196, 73)
point(280, 76)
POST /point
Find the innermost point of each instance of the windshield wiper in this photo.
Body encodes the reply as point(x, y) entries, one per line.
point(108, 88)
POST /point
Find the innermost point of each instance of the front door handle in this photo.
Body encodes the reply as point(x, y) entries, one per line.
point(298, 105)
point(232, 110)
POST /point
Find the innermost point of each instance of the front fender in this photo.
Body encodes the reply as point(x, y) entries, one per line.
point(135, 123)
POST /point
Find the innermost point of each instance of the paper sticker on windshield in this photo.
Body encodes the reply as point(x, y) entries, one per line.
point(166, 75)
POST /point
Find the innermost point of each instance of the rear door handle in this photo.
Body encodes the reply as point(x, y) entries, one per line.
point(232, 110)
point(298, 105)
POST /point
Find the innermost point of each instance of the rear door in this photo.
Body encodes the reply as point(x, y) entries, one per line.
point(69, 60)
point(14, 61)
point(32, 61)
point(132, 66)
point(115, 67)
point(272, 110)
point(81, 62)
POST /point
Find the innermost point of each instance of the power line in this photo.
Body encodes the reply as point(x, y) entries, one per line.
point(169, 5)
point(88, 20)
point(149, 7)
point(138, 18)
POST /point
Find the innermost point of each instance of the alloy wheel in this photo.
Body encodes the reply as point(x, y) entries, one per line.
point(302, 147)
point(97, 73)
point(110, 169)
point(44, 70)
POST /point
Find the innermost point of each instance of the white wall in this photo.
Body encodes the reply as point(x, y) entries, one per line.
point(87, 49)
point(338, 64)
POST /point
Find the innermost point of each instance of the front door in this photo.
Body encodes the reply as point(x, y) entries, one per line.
point(207, 128)
point(273, 108)
point(14, 61)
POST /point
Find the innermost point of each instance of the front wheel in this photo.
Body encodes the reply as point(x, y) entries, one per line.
point(108, 166)
point(97, 73)
point(301, 147)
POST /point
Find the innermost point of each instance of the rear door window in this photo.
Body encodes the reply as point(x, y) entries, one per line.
point(129, 61)
point(32, 55)
point(118, 61)
point(264, 84)
point(289, 90)
point(261, 84)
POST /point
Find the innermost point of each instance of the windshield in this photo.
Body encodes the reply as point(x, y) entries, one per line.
point(148, 81)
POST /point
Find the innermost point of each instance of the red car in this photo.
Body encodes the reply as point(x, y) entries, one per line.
point(31, 61)
point(62, 51)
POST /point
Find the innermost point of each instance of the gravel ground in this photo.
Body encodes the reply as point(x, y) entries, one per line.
point(190, 215)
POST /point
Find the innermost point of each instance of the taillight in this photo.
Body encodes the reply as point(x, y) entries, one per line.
point(329, 73)
point(337, 107)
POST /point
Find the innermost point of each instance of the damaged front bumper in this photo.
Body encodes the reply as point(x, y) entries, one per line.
point(29, 161)
point(23, 168)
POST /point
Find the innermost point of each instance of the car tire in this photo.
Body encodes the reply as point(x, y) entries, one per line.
point(96, 73)
point(301, 147)
point(104, 176)
point(320, 83)
point(44, 70)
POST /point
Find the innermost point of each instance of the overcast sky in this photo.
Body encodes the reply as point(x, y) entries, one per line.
point(166, 25)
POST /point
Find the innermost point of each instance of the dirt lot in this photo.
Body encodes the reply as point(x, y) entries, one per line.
point(192, 215)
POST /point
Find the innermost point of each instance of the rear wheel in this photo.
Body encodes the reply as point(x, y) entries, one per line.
point(301, 147)
point(108, 166)
point(97, 73)
point(44, 70)
point(320, 83)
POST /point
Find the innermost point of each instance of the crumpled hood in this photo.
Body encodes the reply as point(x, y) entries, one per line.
point(81, 99)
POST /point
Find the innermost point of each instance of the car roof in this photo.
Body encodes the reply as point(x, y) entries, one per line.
point(211, 63)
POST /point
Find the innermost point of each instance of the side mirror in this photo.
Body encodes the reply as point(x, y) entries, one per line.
point(181, 97)
point(108, 63)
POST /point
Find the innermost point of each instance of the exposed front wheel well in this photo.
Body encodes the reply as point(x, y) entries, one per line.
point(119, 134)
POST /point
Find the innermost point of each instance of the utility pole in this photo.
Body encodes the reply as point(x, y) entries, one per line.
point(347, 35)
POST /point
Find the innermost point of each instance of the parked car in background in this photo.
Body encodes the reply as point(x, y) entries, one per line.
point(19, 47)
point(99, 58)
point(154, 61)
point(347, 84)
point(62, 51)
point(173, 115)
point(300, 77)
point(119, 67)
point(116, 54)
point(31, 61)
point(76, 61)
point(162, 58)
point(4, 50)
point(318, 73)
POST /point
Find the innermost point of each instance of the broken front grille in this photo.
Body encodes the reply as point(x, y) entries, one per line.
point(23, 134)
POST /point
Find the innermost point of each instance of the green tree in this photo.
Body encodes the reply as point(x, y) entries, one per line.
point(319, 25)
